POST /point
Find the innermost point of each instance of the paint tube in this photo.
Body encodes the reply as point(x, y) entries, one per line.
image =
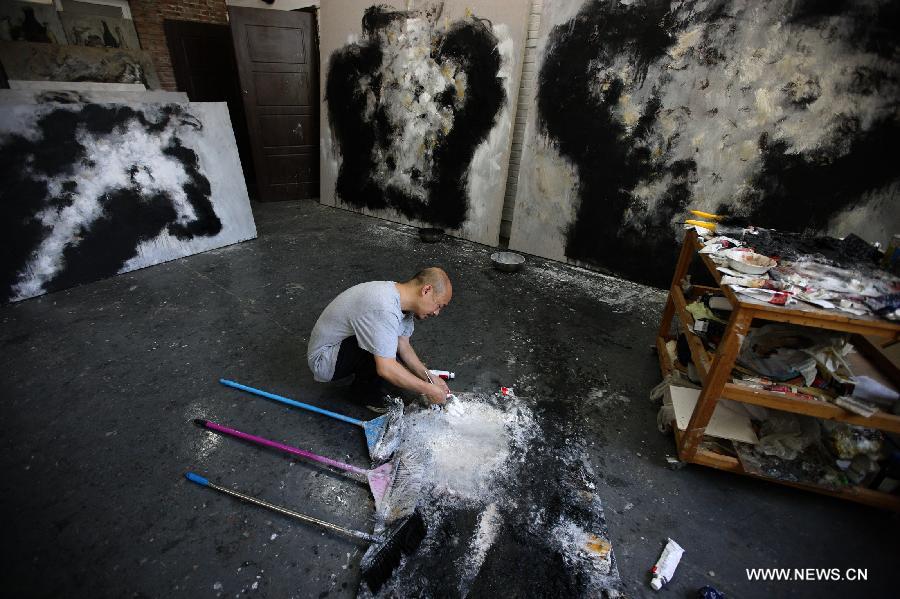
point(444, 374)
point(665, 566)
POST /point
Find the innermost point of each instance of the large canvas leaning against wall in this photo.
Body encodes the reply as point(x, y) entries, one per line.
point(418, 102)
point(781, 112)
point(24, 61)
point(92, 190)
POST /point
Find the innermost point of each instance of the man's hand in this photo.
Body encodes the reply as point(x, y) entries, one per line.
point(438, 381)
point(395, 373)
point(436, 394)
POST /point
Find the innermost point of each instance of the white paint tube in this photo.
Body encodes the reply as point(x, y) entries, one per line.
point(665, 566)
point(444, 374)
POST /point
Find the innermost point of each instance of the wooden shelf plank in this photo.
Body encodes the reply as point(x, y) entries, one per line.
point(686, 321)
point(705, 457)
point(819, 409)
point(665, 365)
point(885, 501)
point(816, 318)
point(862, 495)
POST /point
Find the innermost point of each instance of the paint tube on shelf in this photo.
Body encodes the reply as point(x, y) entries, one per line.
point(665, 566)
point(444, 374)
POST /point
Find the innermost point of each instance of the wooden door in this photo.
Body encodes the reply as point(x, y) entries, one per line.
point(278, 68)
point(205, 69)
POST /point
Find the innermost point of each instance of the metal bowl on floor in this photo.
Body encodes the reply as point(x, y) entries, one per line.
point(430, 235)
point(508, 261)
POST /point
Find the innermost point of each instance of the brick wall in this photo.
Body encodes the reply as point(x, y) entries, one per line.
point(148, 18)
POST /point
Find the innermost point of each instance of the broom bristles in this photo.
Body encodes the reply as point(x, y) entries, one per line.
point(405, 488)
point(380, 561)
point(391, 434)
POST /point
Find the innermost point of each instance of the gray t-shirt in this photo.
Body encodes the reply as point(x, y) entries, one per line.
point(371, 311)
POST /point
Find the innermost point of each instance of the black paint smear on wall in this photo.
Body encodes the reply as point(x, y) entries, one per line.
point(791, 191)
point(796, 192)
point(575, 102)
point(129, 215)
point(358, 130)
point(876, 26)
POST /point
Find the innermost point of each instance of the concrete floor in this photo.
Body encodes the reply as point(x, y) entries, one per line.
point(101, 382)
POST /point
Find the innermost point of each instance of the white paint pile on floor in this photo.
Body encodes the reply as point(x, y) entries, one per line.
point(465, 446)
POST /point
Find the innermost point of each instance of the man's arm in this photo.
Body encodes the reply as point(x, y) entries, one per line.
point(395, 373)
point(411, 359)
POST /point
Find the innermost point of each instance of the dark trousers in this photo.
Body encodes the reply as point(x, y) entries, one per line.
point(367, 386)
point(352, 359)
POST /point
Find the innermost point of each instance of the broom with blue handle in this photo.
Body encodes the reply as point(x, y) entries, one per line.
point(382, 433)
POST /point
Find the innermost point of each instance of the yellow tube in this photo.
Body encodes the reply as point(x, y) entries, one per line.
point(700, 223)
point(708, 215)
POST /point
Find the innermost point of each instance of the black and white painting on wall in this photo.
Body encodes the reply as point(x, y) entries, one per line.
point(418, 110)
point(24, 61)
point(100, 32)
point(784, 112)
point(92, 190)
point(30, 22)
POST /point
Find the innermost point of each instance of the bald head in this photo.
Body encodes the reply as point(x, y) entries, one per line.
point(427, 293)
point(434, 276)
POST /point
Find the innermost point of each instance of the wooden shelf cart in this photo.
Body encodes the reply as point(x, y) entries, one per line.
point(715, 371)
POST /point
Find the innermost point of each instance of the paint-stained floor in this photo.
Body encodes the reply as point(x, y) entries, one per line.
point(101, 383)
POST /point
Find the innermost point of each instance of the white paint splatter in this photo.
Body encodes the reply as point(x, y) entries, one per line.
point(204, 443)
point(624, 296)
point(466, 445)
point(489, 524)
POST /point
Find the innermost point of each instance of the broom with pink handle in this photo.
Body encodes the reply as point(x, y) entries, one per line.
point(379, 478)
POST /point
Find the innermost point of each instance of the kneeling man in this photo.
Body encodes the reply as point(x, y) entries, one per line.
point(365, 329)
